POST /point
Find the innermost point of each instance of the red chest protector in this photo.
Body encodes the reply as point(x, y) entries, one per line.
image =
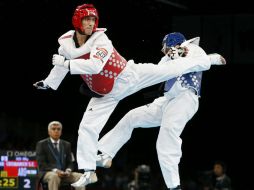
point(103, 82)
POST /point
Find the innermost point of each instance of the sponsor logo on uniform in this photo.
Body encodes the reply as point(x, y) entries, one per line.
point(101, 53)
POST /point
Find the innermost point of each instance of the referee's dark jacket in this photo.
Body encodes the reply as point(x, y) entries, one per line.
point(48, 159)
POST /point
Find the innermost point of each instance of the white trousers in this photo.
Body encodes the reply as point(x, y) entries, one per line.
point(132, 79)
point(172, 115)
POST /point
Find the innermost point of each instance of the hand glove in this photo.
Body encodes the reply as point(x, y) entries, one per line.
point(41, 85)
point(175, 53)
point(183, 51)
point(217, 59)
point(60, 60)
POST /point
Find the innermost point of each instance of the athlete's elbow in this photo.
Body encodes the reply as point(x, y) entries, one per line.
point(206, 63)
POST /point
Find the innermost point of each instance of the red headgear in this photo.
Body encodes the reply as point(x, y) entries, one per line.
point(82, 11)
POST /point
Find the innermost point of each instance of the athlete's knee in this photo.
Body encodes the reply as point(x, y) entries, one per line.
point(173, 128)
point(132, 117)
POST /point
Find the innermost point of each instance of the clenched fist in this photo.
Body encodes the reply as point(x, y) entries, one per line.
point(41, 85)
point(60, 60)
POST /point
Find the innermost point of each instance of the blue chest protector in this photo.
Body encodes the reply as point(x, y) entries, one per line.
point(189, 80)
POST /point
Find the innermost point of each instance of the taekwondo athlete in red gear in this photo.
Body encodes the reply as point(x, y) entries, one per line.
point(88, 52)
point(171, 112)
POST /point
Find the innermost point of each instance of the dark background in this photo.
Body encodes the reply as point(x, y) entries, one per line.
point(222, 127)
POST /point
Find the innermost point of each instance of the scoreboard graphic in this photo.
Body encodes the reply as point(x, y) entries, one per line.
point(18, 170)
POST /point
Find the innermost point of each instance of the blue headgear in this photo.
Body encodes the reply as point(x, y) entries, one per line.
point(173, 39)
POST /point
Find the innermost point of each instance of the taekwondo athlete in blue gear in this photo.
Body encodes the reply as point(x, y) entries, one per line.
point(171, 111)
point(189, 80)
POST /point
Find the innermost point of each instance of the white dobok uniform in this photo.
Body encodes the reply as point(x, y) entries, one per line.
point(107, 73)
point(171, 112)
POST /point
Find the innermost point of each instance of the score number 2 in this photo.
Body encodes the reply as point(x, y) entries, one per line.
point(27, 184)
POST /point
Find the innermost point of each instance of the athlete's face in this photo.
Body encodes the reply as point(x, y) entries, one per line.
point(88, 24)
point(168, 50)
